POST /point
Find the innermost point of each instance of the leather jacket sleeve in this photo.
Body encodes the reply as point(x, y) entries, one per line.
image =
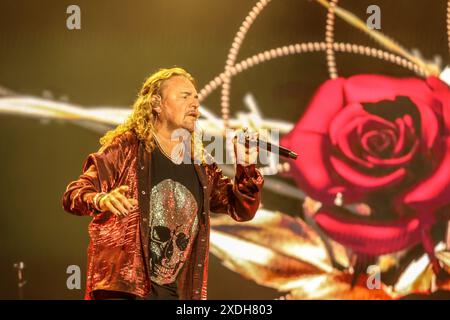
point(99, 173)
point(239, 199)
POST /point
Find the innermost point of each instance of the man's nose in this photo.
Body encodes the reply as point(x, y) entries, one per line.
point(195, 104)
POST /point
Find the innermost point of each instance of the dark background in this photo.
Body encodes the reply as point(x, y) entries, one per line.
point(104, 63)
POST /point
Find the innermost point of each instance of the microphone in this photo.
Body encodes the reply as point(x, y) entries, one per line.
point(282, 151)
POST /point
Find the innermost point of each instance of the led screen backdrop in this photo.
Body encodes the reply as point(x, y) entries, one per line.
point(361, 214)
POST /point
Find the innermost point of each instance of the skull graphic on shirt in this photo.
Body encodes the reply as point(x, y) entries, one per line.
point(173, 227)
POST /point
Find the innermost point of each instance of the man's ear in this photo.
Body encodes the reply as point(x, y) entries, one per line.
point(156, 103)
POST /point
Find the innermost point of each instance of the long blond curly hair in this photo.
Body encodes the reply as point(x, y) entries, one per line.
point(142, 119)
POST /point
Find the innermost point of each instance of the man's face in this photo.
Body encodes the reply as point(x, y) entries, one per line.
point(179, 107)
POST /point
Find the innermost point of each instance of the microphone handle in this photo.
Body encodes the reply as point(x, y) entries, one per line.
point(282, 151)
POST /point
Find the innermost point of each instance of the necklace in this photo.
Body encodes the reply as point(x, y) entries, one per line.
point(175, 158)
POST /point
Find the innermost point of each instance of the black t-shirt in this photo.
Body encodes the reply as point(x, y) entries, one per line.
point(176, 202)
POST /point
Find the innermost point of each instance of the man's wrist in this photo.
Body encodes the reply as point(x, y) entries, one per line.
point(96, 200)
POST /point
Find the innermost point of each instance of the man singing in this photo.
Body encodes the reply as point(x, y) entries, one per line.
point(149, 236)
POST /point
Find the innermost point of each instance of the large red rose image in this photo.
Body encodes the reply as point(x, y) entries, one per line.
point(379, 140)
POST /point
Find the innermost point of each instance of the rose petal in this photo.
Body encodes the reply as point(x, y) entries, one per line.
point(442, 93)
point(410, 133)
point(327, 101)
point(409, 123)
point(365, 141)
point(374, 122)
point(428, 122)
point(378, 141)
point(368, 141)
point(360, 180)
point(390, 137)
point(312, 170)
point(343, 142)
point(368, 236)
point(434, 191)
point(395, 161)
point(349, 113)
point(401, 131)
point(374, 88)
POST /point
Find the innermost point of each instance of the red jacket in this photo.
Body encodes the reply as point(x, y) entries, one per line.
point(118, 256)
